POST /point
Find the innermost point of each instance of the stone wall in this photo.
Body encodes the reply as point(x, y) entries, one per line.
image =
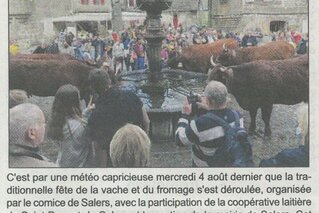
point(185, 9)
point(51, 8)
point(27, 34)
point(184, 5)
point(230, 7)
point(77, 7)
point(20, 7)
point(187, 13)
point(276, 3)
point(26, 19)
point(252, 21)
point(295, 3)
point(236, 15)
point(186, 18)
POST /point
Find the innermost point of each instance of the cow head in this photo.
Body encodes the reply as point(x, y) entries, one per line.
point(227, 56)
point(219, 73)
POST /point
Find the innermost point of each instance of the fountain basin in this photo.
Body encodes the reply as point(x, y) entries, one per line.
point(164, 109)
point(154, 5)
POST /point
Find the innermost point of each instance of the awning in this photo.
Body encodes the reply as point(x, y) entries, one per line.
point(84, 17)
point(126, 16)
point(129, 16)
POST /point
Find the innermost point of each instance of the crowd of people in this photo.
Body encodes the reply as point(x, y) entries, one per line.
point(299, 41)
point(117, 51)
point(127, 50)
point(113, 131)
point(110, 132)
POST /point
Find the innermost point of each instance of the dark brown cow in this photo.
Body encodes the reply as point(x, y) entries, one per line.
point(264, 83)
point(44, 77)
point(276, 50)
point(196, 57)
point(44, 57)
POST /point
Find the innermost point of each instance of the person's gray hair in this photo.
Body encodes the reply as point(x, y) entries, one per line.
point(130, 147)
point(17, 97)
point(216, 92)
point(22, 117)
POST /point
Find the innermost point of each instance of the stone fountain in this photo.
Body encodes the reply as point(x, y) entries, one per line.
point(162, 91)
point(154, 35)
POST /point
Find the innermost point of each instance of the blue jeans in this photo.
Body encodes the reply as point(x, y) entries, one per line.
point(78, 53)
point(140, 63)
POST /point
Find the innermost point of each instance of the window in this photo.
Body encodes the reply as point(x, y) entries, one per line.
point(276, 26)
point(109, 25)
point(95, 2)
point(84, 1)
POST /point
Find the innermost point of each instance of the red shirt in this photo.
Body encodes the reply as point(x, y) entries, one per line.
point(296, 37)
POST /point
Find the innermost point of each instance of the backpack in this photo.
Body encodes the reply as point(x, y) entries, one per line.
point(236, 151)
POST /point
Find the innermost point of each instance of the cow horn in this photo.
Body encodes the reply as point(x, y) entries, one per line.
point(223, 69)
point(212, 60)
point(224, 46)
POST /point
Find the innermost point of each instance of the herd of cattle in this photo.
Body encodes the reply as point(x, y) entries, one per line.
point(258, 77)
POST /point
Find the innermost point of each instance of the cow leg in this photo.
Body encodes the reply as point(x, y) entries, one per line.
point(266, 113)
point(253, 113)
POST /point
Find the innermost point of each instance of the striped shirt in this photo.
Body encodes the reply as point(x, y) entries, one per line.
point(204, 134)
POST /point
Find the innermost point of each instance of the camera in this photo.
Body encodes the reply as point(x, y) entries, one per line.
point(193, 99)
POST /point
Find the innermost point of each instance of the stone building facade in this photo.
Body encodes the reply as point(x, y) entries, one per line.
point(188, 12)
point(33, 20)
point(267, 15)
point(27, 18)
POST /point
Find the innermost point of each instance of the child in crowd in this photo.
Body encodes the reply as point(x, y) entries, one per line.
point(130, 147)
point(67, 126)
